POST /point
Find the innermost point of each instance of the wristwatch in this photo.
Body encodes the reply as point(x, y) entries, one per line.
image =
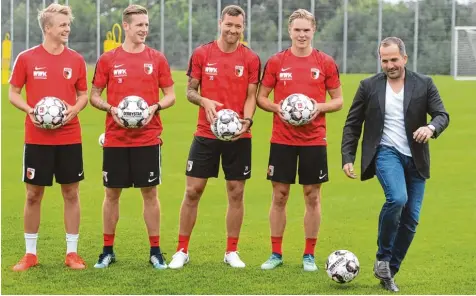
point(250, 120)
point(158, 108)
point(432, 127)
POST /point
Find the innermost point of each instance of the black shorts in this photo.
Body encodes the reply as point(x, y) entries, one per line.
point(283, 162)
point(125, 167)
point(41, 162)
point(204, 158)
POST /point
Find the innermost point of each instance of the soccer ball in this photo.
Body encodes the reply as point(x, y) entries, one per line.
point(297, 109)
point(133, 111)
point(102, 137)
point(49, 112)
point(226, 125)
point(342, 266)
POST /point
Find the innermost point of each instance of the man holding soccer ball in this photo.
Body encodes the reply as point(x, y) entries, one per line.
point(132, 157)
point(227, 73)
point(51, 70)
point(298, 69)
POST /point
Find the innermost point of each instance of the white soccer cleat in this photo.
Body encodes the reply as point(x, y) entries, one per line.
point(179, 259)
point(234, 260)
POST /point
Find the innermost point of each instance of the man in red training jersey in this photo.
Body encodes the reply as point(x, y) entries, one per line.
point(227, 73)
point(51, 70)
point(132, 157)
point(299, 69)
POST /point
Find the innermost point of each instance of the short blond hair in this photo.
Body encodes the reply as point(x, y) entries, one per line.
point(302, 14)
point(44, 15)
point(132, 10)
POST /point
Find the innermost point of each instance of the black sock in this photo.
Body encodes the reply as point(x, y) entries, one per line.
point(154, 251)
point(107, 250)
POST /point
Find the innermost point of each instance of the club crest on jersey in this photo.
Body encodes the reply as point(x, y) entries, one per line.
point(239, 71)
point(67, 73)
point(148, 68)
point(314, 73)
point(30, 173)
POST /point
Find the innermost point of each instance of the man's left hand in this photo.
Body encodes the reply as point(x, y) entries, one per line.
point(422, 134)
point(70, 113)
point(152, 110)
point(245, 127)
point(315, 111)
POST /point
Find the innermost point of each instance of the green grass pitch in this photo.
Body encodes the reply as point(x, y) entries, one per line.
point(440, 261)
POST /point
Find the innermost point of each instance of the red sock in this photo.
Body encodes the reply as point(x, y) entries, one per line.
point(231, 244)
point(183, 243)
point(310, 246)
point(108, 239)
point(154, 240)
point(276, 243)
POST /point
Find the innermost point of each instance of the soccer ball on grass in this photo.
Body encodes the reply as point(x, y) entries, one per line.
point(342, 266)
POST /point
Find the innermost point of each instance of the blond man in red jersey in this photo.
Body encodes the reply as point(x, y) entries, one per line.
point(132, 157)
point(299, 69)
point(51, 70)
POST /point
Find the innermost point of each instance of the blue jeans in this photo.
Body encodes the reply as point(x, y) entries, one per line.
point(403, 187)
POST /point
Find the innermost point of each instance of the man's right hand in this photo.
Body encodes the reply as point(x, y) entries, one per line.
point(210, 108)
point(115, 117)
point(349, 170)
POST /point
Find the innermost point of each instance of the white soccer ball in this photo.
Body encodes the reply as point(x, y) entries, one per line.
point(133, 111)
point(297, 109)
point(102, 137)
point(342, 266)
point(49, 112)
point(226, 125)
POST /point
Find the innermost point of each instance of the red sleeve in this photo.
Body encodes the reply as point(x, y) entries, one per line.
point(101, 74)
point(270, 73)
point(165, 77)
point(332, 74)
point(195, 65)
point(254, 69)
point(82, 82)
point(18, 78)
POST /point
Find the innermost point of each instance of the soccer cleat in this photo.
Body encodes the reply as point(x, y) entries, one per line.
point(273, 261)
point(73, 261)
point(105, 259)
point(389, 285)
point(179, 259)
point(234, 260)
point(29, 260)
point(382, 270)
point(158, 261)
point(309, 263)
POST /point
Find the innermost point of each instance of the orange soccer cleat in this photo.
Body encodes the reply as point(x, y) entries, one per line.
point(29, 260)
point(73, 261)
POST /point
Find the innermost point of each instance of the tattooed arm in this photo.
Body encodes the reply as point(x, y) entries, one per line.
point(192, 92)
point(194, 97)
point(97, 101)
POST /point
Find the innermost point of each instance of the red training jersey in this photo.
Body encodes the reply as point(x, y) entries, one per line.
point(48, 75)
point(312, 76)
point(224, 77)
point(132, 74)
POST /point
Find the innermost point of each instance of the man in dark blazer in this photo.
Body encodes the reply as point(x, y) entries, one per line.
point(393, 108)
